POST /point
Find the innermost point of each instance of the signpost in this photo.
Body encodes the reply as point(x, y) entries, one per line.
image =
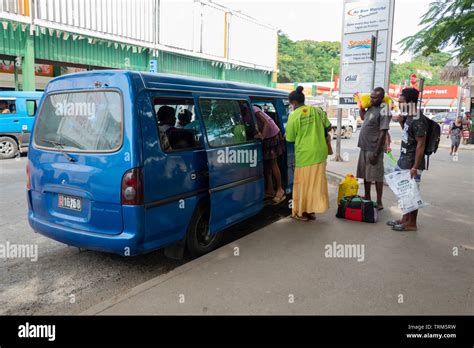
point(365, 53)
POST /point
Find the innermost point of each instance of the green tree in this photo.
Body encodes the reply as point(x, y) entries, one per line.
point(427, 67)
point(447, 23)
point(306, 60)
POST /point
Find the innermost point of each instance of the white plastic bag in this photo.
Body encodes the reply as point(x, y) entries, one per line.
point(406, 190)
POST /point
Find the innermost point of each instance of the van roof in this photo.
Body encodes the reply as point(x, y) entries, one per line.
point(20, 94)
point(177, 83)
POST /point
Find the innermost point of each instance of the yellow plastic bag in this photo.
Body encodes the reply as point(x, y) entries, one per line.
point(363, 100)
point(347, 187)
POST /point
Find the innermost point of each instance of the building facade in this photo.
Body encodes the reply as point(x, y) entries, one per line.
point(188, 37)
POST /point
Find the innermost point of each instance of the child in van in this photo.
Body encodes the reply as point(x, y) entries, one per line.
point(4, 107)
point(273, 147)
point(166, 121)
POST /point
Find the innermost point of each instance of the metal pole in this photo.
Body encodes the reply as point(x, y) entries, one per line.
point(15, 72)
point(338, 157)
point(375, 57)
point(332, 77)
point(459, 101)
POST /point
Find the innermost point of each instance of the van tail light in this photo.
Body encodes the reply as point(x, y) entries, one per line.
point(132, 187)
point(28, 176)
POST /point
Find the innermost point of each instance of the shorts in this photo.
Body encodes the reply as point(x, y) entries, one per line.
point(367, 171)
point(455, 140)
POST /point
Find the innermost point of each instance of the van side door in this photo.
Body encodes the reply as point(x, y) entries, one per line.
point(235, 159)
point(283, 110)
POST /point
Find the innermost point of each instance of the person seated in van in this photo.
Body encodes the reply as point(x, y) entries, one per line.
point(166, 121)
point(273, 147)
point(184, 118)
point(4, 107)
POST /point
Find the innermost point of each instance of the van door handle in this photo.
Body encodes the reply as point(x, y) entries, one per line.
point(196, 175)
point(16, 121)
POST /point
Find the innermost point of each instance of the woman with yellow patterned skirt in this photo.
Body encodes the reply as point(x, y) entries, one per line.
point(308, 127)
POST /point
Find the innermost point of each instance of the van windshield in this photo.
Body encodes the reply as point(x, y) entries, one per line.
point(81, 121)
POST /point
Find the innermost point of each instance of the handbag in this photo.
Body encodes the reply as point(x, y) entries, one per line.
point(328, 137)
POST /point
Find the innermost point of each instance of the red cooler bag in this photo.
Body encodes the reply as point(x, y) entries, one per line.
point(358, 209)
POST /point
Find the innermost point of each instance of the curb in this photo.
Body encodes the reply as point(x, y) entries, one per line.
point(139, 289)
point(335, 176)
point(443, 146)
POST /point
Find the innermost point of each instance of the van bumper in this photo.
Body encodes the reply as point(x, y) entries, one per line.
point(127, 243)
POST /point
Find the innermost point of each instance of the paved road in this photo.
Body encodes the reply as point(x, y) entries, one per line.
point(63, 274)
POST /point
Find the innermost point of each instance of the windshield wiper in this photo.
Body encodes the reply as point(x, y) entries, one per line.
point(60, 147)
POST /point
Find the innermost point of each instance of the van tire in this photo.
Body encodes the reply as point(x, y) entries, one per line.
point(196, 239)
point(8, 147)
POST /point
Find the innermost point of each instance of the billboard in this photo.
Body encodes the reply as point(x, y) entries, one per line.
point(362, 20)
point(360, 16)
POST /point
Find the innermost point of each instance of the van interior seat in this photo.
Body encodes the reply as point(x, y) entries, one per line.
point(180, 138)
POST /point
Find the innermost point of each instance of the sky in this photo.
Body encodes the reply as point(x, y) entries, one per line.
point(321, 20)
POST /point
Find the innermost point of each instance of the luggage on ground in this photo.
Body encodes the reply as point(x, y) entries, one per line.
point(347, 187)
point(357, 209)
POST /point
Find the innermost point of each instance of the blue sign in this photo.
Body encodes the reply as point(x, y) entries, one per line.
point(153, 65)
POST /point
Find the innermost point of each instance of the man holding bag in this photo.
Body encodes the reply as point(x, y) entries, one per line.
point(412, 153)
point(372, 144)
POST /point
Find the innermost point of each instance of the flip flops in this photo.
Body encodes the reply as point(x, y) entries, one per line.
point(278, 200)
point(402, 228)
point(394, 222)
point(300, 218)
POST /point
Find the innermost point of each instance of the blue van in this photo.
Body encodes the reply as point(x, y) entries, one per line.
point(17, 112)
point(129, 162)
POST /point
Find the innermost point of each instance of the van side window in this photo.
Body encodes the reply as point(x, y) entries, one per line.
point(31, 107)
point(7, 106)
point(177, 124)
point(228, 122)
point(267, 107)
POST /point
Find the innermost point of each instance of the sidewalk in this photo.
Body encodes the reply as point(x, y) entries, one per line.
point(446, 144)
point(282, 269)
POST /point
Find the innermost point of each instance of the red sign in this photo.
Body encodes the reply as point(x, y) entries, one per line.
point(413, 79)
point(429, 92)
point(40, 69)
point(440, 92)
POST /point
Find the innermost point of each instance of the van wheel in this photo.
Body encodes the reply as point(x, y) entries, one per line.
point(8, 147)
point(199, 240)
point(348, 132)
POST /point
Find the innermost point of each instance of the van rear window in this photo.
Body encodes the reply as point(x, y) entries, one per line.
point(81, 121)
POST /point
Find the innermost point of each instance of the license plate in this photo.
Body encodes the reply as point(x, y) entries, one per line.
point(69, 202)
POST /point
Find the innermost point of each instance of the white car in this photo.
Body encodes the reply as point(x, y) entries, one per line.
point(348, 126)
